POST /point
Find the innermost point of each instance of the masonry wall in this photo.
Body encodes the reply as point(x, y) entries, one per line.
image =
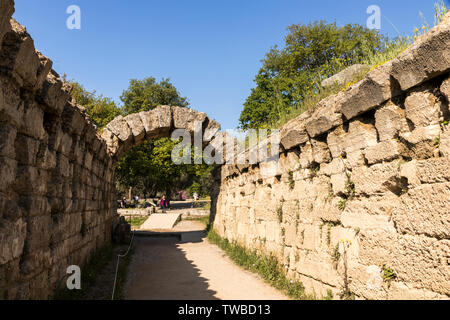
point(56, 190)
point(363, 180)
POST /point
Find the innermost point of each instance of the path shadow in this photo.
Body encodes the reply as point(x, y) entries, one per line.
point(160, 270)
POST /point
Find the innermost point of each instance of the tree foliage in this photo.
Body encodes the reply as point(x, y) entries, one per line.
point(101, 110)
point(148, 168)
point(147, 94)
point(311, 53)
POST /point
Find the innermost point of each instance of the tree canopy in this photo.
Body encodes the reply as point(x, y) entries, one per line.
point(149, 168)
point(311, 53)
point(101, 110)
point(147, 94)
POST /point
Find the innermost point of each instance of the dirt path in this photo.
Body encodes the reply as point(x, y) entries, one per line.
point(167, 268)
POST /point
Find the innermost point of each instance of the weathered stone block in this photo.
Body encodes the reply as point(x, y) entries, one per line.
point(8, 171)
point(26, 150)
point(346, 76)
point(137, 127)
point(8, 135)
point(384, 151)
point(370, 92)
point(327, 115)
point(157, 121)
point(6, 11)
point(425, 210)
point(12, 236)
point(389, 121)
point(378, 179)
point(18, 55)
point(428, 57)
point(293, 133)
point(53, 95)
point(423, 108)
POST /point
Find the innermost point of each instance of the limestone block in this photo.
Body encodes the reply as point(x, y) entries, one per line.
point(8, 171)
point(360, 135)
point(444, 143)
point(120, 128)
point(53, 95)
point(211, 129)
point(137, 127)
point(345, 76)
point(355, 159)
point(111, 140)
point(327, 115)
point(289, 162)
point(378, 179)
point(8, 135)
point(6, 11)
point(362, 221)
point(320, 151)
point(33, 122)
point(26, 150)
point(45, 66)
point(445, 89)
point(425, 210)
point(384, 151)
point(422, 108)
point(18, 55)
point(389, 121)
point(73, 119)
point(293, 133)
point(423, 261)
point(306, 156)
point(428, 57)
point(12, 236)
point(370, 92)
point(339, 182)
point(157, 121)
point(11, 105)
point(38, 232)
point(336, 166)
point(185, 118)
point(422, 141)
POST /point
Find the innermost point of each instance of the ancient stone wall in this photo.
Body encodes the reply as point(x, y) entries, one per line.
point(363, 182)
point(56, 179)
point(57, 184)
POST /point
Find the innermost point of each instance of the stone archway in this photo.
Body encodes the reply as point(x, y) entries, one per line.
point(121, 134)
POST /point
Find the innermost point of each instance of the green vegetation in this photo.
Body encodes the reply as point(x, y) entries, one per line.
point(342, 204)
point(203, 219)
point(101, 110)
point(148, 168)
point(90, 273)
point(147, 94)
point(266, 266)
point(280, 214)
point(289, 81)
point(388, 275)
point(291, 180)
point(137, 221)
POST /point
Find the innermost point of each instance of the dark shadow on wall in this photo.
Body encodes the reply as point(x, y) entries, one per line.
point(159, 270)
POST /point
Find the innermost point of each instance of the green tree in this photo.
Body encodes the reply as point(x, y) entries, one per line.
point(311, 53)
point(101, 110)
point(147, 94)
point(148, 168)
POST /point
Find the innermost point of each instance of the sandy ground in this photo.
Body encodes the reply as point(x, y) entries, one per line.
point(170, 269)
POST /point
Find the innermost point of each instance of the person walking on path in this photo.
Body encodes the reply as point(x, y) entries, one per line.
point(163, 204)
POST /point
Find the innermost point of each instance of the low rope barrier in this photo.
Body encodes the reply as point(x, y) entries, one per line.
point(117, 266)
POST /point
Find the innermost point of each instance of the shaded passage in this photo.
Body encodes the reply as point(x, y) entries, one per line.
point(166, 267)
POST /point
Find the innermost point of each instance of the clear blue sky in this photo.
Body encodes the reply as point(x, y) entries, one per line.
point(211, 50)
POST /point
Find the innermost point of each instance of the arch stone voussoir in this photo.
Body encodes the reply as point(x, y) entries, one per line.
point(122, 133)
